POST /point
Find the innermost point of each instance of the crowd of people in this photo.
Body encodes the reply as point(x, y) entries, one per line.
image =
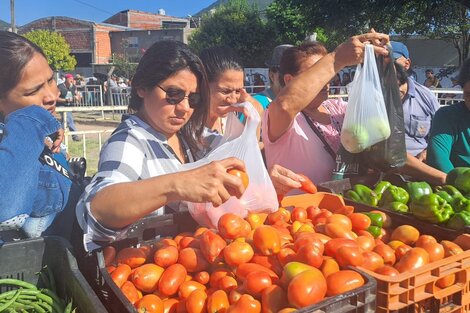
point(178, 104)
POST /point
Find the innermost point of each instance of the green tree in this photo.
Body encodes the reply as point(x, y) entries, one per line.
point(124, 66)
point(239, 26)
point(55, 47)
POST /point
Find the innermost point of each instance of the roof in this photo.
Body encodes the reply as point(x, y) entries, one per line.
point(262, 4)
point(84, 22)
point(4, 25)
point(147, 13)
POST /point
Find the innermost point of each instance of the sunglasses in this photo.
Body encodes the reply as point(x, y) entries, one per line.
point(176, 95)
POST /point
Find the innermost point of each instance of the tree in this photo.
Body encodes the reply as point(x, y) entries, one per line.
point(55, 47)
point(239, 26)
point(123, 66)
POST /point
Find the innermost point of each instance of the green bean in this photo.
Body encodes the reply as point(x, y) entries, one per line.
point(50, 275)
point(42, 305)
point(7, 304)
point(55, 301)
point(68, 308)
point(16, 282)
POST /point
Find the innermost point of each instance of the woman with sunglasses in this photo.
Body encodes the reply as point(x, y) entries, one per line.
point(136, 172)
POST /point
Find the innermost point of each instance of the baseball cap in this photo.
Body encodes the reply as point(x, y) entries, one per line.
point(399, 50)
point(68, 76)
point(277, 54)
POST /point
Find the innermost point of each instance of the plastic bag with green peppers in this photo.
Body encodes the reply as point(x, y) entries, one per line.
point(394, 194)
point(460, 178)
point(459, 220)
point(431, 208)
point(362, 194)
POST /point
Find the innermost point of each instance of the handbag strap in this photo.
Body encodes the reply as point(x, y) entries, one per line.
point(319, 135)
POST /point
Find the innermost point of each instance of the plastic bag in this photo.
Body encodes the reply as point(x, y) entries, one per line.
point(391, 153)
point(240, 142)
point(365, 121)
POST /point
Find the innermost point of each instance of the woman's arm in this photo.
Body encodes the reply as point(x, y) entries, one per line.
point(303, 88)
point(421, 171)
point(122, 204)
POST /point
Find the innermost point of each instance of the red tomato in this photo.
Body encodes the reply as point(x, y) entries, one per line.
point(171, 279)
point(307, 185)
point(332, 246)
point(217, 302)
point(329, 266)
point(424, 239)
point(341, 220)
point(201, 277)
point(246, 304)
point(435, 251)
point(359, 221)
point(196, 301)
point(240, 174)
point(413, 259)
point(120, 274)
point(188, 287)
point(170, 305)
point(166, 256)
point(450, 248)
point(386, 252)
point(349, 256)
point(299, 214)
point(387, 270)
point(256, 282)
point(149, 304)
point(310, 254)
point(307, 239)
point(266, 239)
point(237, 252)
point(133, 257)
point(367, 243)
point(306, 288)
point(401, 250)
point(372, 261)
point(235, 294)
point(212, 245)
point(244, 269)
point(232, 226)
point(129, 290)
point(273, 299)
point(343, 281)
point(109, 254)
point(312, 212)
point(188, 242)
point(268, 261)
point(146, 277)
point(216, 275)
point(446, 281)
point(228, 283)
point(193, 260)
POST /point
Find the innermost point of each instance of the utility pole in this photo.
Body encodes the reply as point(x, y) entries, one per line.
point(12, 13)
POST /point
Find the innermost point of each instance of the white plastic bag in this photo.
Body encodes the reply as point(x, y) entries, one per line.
point(366, 121)
point(242, 143)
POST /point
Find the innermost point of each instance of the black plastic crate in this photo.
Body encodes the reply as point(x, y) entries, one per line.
point(340, 186)
point(146, 231)
point(24, 259)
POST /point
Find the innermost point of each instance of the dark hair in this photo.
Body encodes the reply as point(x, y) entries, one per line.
point(429, 71)
point(15, 51)
point(162, 60)
point(402, 75)
point(217, 60)
point(293, 58)
point(464, 74)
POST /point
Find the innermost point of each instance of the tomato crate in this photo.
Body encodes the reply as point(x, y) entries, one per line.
point(414, 291)
point(149, 229)
point(342, 185)
point(25, 258)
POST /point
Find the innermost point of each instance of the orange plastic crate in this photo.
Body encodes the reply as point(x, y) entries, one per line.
point(410, 291)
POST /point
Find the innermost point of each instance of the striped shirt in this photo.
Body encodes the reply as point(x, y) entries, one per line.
point(135, 151)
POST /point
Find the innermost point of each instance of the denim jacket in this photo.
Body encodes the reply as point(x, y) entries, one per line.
point(28, 187)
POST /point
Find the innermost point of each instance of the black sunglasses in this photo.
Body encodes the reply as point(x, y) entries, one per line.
point(176, 95)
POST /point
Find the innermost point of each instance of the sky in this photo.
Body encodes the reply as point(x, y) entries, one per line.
point(95, 10)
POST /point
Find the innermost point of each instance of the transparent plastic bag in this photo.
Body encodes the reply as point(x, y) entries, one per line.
point(366, 121)
point(241, 142)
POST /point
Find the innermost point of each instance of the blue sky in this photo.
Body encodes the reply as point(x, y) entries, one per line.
point(95, 10)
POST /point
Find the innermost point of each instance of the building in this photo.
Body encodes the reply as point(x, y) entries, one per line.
point(147, 20)
point(4, 25)
point(89, 41)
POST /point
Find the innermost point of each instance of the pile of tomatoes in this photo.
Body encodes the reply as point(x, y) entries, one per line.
point(276, 262)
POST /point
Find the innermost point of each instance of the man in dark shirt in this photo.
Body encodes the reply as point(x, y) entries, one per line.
point(68, 97)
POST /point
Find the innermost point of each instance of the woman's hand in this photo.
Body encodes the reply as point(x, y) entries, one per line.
point(210, 183)
point(351, 52)
point(284, 180)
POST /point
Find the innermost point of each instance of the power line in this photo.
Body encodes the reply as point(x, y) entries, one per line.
point(92, 6)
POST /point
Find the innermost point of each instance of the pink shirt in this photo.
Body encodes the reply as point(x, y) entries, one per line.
point(299, 148)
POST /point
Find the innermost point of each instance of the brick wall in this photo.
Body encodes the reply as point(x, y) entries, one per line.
point(141, 20)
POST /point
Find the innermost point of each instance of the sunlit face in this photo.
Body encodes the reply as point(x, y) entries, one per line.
point(225, 90)
point(36, 87)
point(466, 94)
point(164, 117)
point(404, 62)
point(403, 90)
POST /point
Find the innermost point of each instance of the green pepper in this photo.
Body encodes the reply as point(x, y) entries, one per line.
point(376, 219)
point(444, 195)
point(381, 187)
point(418, 189)
point(375, 231)
point(352, 195)
point(396, 206)
point(460, 178)
point(460, 204)
point(459, 220)
point(367, 195)
point(431, 208)
point(451, 190)
point(394, 194)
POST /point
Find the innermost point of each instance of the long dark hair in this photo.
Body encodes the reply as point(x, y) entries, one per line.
point(15, 52)
point(162, 60)
point(217, 60)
